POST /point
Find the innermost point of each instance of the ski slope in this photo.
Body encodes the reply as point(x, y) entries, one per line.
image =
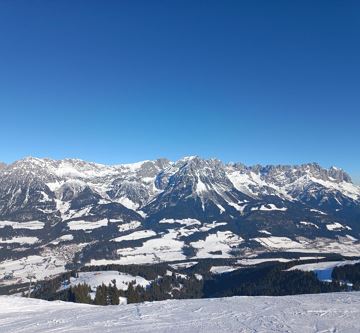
point(337, 312)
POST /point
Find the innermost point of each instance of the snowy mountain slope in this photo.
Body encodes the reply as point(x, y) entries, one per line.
point(338, 312)
point(68, 213)
point(293, 181)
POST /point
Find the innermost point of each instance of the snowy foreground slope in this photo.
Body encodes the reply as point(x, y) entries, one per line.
point(337, 312)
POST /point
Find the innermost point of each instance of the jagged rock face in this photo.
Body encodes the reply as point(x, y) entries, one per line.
point(200, 187)
point(282, 174)
point(136, 185)
point(296, 182)
point(184, 204)
point(43, 184)
point(32, 181)
point(23, 191)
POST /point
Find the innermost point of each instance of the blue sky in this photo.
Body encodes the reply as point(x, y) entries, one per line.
point(121, 81)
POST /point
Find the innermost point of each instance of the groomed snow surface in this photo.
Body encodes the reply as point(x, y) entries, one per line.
point(337, 312)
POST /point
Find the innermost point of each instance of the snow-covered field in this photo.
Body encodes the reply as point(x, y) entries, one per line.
point(323, 270)
point(95, 279)
point(31, 225)
point(19, 240)
point(347, 246)
point(256, 261)
point(86, 225)
point(135, 235)
point(337, 312)
point(222, 242)
point(278, 242)
point(223, 269)
point(49, 263)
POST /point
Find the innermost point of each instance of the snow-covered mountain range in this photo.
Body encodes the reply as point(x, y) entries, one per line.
point(64, 213)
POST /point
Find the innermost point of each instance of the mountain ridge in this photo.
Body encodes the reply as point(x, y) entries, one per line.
point(185, 158)
point(88, 213)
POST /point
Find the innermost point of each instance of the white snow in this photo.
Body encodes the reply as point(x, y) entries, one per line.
point(40, 266)
point(95, 279)
point(135, 235)
point(78, 213)
point(87, 225)
point(221, 208)
point(350, 190)
point(67, 170)
point(184, 265)
point(129, 226)
point(190, 229)
point(133, 166)
point(31, 225)
point(20, 240)
point(222, 241)
point(223, 269)
point(272, 207)
point(128, 203)
point(323, 270)
point(317, 211)
point(49, 263)
point(212, 225)
point(53, 186)
point(74, 168)
point(278, 242)
point(200, 186)
point(269, 208)
point(256, 261)
point(63, 208)
point(336, 312)
point(141, 213)
point(166, 248)
point(238, 207)
point(62, 238)
point(309, 223)
point(286, 185)
point(351, 238)
point(265, 232)
point(187, 222)
point(243, 182)
point(190, 226)
point(342, 245)
point(251, 183)
point(335, 226)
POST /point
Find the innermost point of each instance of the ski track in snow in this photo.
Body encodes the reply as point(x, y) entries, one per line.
point(337, 312)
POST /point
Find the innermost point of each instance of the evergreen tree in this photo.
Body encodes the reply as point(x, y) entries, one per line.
point(80, 294)
point(131, 294)
point(113, 293)
point(101, 297)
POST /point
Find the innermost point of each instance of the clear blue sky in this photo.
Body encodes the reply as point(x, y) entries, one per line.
point(121, 81)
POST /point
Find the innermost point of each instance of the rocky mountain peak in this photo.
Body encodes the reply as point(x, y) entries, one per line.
point(187, 208)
